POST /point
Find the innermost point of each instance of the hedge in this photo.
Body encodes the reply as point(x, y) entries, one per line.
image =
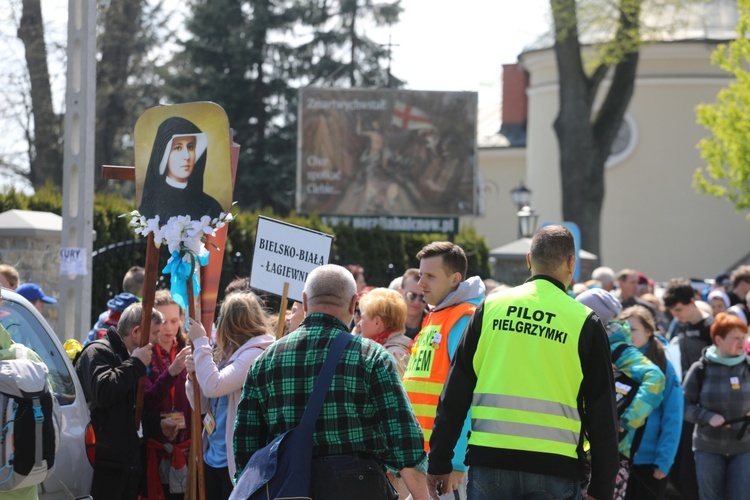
point(384, 255)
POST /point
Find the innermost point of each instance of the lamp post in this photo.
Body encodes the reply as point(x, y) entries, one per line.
point(521, 195)
point(527, 221)
point(527, 216)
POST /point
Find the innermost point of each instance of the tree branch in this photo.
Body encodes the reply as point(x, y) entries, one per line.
point(608, 120)
point(596, 79)
point(46, 159)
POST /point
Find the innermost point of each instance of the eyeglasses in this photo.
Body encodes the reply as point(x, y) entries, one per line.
point(411, 297)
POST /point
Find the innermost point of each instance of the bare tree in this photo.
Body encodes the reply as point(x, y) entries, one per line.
point(46, 154)
point(122, 22)
point(118, 41)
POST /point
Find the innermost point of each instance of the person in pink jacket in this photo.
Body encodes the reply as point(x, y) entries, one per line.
point(242, 334)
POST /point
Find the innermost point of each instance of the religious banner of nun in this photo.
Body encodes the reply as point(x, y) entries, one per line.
point(182, 161)
point(286, 253)
point(183, 184)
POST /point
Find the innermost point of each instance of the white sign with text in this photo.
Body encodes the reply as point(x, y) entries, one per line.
point(286, 253)
point(73, 261)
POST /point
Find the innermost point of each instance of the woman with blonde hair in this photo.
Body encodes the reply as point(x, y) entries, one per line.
point(383, 319)
point(242, 334)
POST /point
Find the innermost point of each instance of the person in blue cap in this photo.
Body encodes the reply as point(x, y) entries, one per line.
point(34, 294)
point(115, 306)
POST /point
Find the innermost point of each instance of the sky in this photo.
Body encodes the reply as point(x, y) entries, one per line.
point(461, 45)
point(439, 45)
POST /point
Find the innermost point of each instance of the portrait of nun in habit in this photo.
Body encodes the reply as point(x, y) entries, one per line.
point(174, 177)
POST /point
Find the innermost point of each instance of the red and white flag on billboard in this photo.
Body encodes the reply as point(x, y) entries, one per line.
point(409, 117)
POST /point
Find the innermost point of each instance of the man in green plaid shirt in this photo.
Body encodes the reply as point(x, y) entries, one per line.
point(366, 422)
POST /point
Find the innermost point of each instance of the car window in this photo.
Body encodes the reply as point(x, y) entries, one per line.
point(25, 329)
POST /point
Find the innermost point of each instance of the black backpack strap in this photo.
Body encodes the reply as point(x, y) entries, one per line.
point(743, 430)
point(38, 421)
point(700, 374)
point(618, 352)
point(637, 438)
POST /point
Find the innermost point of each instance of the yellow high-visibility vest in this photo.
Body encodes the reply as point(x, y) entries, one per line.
point(529, 371)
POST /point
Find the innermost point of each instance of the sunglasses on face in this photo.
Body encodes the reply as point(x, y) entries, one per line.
point(411, 296)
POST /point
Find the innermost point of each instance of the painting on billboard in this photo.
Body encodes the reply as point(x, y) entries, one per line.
point(387, 152)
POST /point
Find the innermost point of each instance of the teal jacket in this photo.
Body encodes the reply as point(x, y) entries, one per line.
point(664, 426)
point(639, 368)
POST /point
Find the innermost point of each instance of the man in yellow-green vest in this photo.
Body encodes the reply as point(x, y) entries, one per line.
point(452, 299)
point(534, 367)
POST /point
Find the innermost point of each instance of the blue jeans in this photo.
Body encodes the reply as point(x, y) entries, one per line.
point(488, 483)
point(722, 476)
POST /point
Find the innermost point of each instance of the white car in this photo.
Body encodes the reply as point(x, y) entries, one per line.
point(71, 477)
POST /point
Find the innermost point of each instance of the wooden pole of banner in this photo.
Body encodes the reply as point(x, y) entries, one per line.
point(282, 311)
point(196, 489)
point(149, 291)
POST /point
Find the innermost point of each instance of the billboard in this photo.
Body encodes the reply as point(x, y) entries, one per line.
point(386, 152)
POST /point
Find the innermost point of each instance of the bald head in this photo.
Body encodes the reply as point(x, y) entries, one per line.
point(330, 289)
point(553, 253)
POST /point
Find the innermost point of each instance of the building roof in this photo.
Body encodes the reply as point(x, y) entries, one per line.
point(488, 121)
point(707, 20)
point(30, 223)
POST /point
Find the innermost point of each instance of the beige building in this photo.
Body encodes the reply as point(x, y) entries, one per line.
point(653, 220)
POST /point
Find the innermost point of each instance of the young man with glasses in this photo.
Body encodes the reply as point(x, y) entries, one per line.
point(416, 309)
point(452, 299)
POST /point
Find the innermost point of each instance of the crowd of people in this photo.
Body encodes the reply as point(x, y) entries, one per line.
point(449, 387)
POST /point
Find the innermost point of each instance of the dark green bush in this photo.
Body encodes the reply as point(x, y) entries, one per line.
point(384, 255)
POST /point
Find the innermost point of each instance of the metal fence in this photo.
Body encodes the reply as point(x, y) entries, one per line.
point(109, 265)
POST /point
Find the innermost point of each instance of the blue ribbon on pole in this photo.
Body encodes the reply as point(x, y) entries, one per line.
point(181, 271)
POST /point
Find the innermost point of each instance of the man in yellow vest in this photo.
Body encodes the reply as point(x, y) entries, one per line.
point(452, 300)
point(534, 367)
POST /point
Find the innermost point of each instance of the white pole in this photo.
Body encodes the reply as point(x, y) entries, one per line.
point(78, 167)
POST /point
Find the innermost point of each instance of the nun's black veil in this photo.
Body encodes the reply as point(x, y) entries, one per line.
point(154, 181)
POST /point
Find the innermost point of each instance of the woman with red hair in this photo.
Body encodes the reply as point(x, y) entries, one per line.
point(717, 400)
point(383, 319)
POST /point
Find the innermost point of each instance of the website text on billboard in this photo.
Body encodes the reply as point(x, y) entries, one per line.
point(444, 225)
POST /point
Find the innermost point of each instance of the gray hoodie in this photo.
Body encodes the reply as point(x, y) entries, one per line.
point(470, 290)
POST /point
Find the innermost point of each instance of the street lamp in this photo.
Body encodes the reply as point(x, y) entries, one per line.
point(527, 220)
point(521, 195)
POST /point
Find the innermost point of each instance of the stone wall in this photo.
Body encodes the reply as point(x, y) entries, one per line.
point(37, 260)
